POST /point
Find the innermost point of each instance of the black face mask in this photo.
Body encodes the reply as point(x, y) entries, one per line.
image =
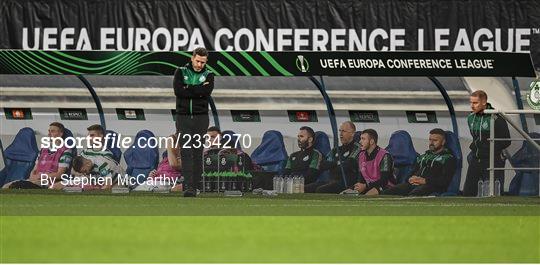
point(302, 145)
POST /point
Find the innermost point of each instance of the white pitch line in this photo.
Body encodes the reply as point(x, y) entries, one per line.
point(269, 205)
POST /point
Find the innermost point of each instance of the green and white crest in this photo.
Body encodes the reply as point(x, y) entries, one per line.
point(202, 78)
point(533, 97)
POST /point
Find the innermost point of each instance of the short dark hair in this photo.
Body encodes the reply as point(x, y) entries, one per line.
point(481, 94)
point(78, 163)
point(214, 129)
point(372, 134)
point(308, 129)
point(438, 131)
point(201, 51)
point(96, 127)
point(59, 126)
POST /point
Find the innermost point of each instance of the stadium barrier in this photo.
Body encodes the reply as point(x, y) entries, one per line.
point(492, 139)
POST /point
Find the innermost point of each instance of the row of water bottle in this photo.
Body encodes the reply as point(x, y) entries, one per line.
point(483, 188)
point(288, 184)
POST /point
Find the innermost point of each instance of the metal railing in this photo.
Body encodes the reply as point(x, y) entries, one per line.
point(492, 139)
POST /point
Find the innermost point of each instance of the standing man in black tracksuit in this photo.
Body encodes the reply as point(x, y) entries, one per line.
point(193, 85)
point(479, 126)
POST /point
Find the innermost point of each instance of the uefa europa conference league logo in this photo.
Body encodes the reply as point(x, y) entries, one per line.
point(533, 97)
point(302, 64)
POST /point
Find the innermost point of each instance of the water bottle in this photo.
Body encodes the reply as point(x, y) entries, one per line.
point(275, 183)
point(480, 189)
point(302, 184)
point(222, 179)
point(224, 183)
point(497, 187)
point(486, 188)
point(280, 185)
point(290, 185)
point(214, 183)
point(296, 184)
point(207, 185)
point(233, 183)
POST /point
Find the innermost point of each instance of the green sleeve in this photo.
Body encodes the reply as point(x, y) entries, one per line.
point(315, 162)
point(288, 165)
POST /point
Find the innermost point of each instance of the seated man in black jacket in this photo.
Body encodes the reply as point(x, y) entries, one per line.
point(433, 171)
point(307, 161)
point(349, 151)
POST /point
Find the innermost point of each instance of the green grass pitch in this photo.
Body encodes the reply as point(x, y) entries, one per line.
point(38, 226)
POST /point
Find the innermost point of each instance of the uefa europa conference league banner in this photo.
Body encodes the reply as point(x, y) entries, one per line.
point(275, 25)
point(270, 63)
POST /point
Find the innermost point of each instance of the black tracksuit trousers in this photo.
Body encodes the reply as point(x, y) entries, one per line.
point(191, 125)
